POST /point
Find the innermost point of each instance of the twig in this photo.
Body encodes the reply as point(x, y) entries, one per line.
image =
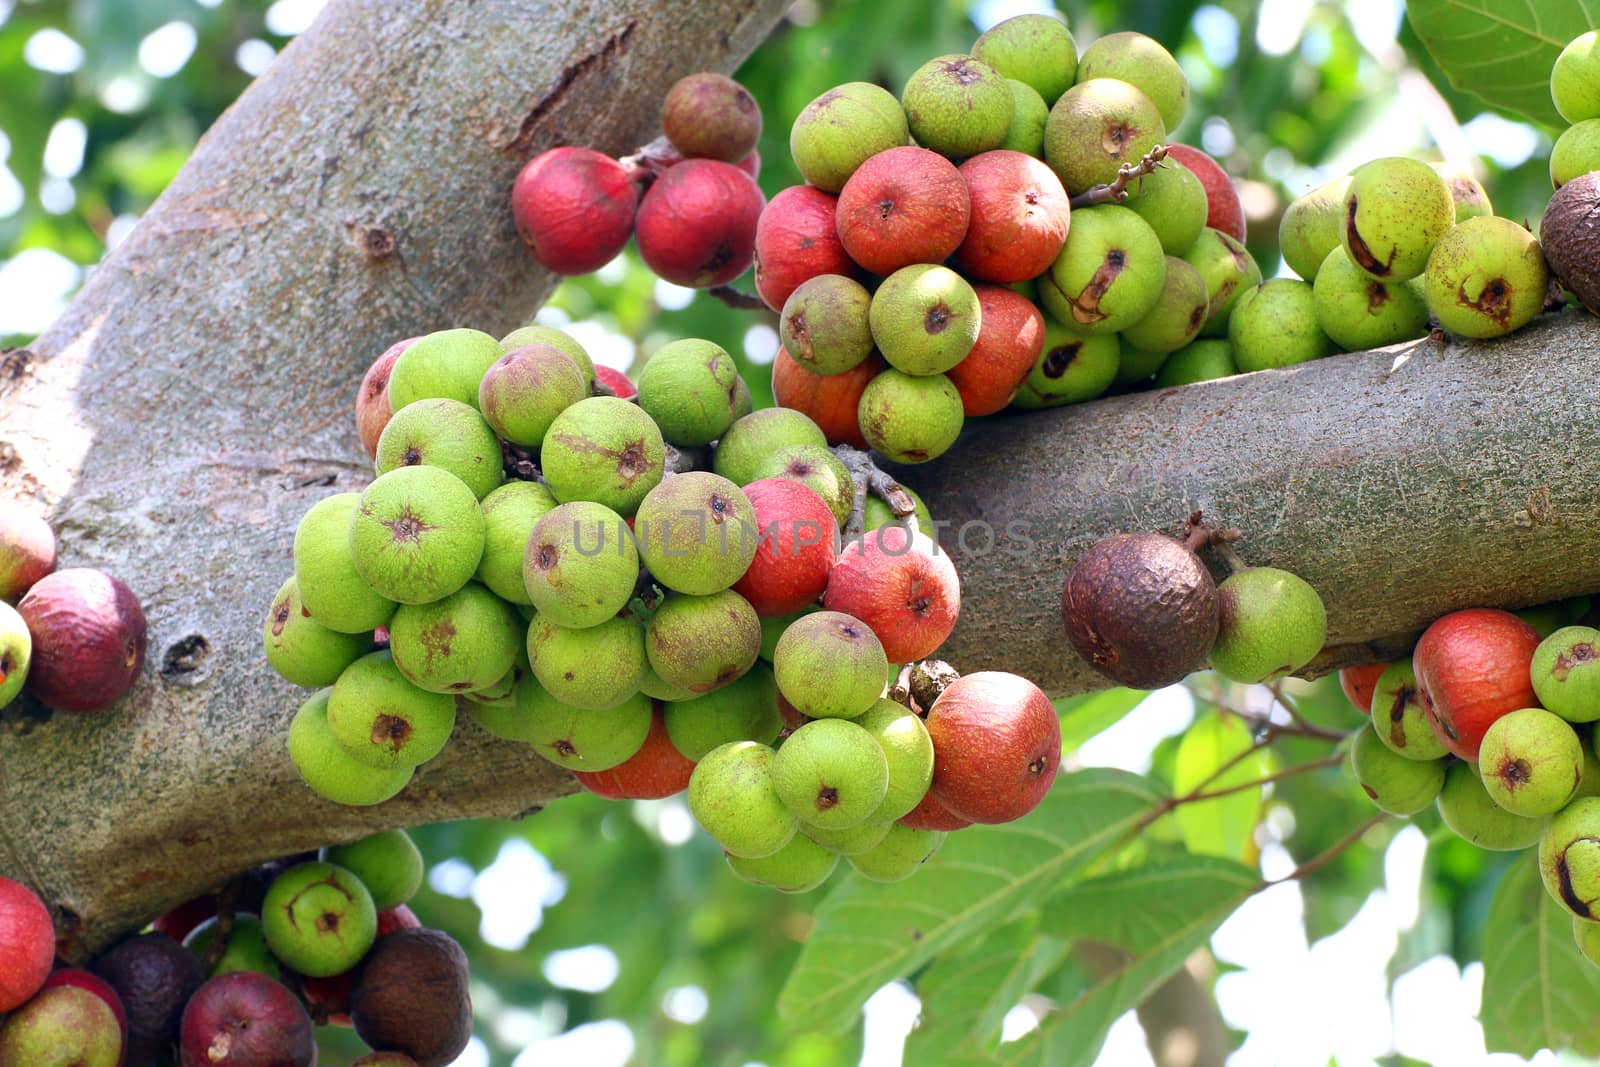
point(227, 902)
point(1326, 856)
point(1263, 725)
point(900, 691)
point(737, 298)
point(860, 466)
point(893, 494)
point(648, 161)
point(518, 462)
point(1276, 776)
point(1117, 191)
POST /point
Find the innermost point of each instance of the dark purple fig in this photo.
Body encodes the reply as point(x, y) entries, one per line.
point(1141, 609)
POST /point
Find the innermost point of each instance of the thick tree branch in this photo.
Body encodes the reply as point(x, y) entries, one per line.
point(1401, 483)
point(196, 399)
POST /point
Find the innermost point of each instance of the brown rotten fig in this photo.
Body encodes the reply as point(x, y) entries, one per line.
point(1141, 609)
point(1570, 234)
point(996, 746)
point(410, 996)
point(88, 639)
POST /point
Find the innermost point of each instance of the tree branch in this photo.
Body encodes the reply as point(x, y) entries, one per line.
point(1402, 483)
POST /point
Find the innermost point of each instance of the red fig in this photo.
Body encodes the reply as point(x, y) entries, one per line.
point(904, 205)
point(796, 240)
point(798, 539)
point(27, 944)
point(245, 1019)
point(996, 746)
point(931, 814)
point(88, 639)
point(697, 224)
point(574, 208)
point(372, 399)
point(1472, 667)
point(832, 401)
point(902, 585)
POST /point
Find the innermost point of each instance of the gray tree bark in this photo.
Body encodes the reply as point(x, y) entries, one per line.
point(197, 398)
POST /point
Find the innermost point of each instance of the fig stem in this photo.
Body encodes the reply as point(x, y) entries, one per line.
point(648, 161)
point(1117, 191)
point(519, 462)
point(929, 679)
point(227, 903)
point(900, 691)
point(1276, 776)
point(1327, 855)
point(683, 460)
point(869, 478)
point(737, 299)
point(1200, 793)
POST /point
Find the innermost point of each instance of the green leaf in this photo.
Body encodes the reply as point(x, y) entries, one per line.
point(966, 995)
point(1224, 826)
point(1502, 50)
point(1086, 716)
point(869, 933)
point(1538, 990)
point(1158, 914)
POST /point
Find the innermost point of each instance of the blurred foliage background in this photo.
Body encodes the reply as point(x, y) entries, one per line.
point(611, 934)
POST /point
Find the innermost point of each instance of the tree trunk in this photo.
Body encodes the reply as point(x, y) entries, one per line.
point(1402, 483)
point(196, 399)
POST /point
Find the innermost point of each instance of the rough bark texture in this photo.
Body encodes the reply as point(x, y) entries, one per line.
point(196, 399)
point(1401, 483)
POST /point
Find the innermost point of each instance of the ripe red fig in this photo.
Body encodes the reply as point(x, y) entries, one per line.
point(798, 541)
point(902, 585)
point(245, 1019)
point(1359, 682)
point(1223, 210)
point(697, 224)
point(996, 746)
point(574, 208)
point(904, 205)
point(832, 400)
point(27, 549)
point(372, 399)
point(620, 384)
point(1010, 340)
point(1019, 218)
point(657, 770)
point(1473, 667)
point(1141, 609)
point(931, 814)
point(88, 639)
point(796, 240)
point(27, 944)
